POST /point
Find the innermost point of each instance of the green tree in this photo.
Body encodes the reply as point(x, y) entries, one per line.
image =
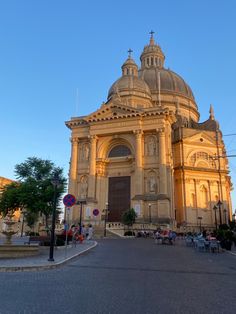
point(10, 198)
point(34, 189)
point(129, 217)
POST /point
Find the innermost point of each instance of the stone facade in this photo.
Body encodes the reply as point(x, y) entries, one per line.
point(149, 131)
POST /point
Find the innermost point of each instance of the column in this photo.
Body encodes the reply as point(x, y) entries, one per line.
point(92, 167)
point(74, 165)
point(138, 163)
point(162, 162)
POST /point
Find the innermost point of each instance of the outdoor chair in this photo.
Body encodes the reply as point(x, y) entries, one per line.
point(201, 245)
point(214, 246)
point(189, 241)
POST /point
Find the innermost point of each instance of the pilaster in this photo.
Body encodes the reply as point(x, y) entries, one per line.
point(92, 167)
point(162, 160)
point(74, 165)
point(138, 163)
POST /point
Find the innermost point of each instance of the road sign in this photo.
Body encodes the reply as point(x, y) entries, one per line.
point(95, 212)
point(69, 200)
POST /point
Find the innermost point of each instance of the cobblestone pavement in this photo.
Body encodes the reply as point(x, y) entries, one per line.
point(127, 276)
point(61, 256)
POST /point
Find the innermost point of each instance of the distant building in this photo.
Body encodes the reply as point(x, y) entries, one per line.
point(145, 148)
point(4, 181)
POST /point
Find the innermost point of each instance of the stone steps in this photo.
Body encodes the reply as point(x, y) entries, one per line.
point(99, 234)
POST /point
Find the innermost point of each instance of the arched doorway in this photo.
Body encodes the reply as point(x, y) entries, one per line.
point(118, 197)
point(118, 187)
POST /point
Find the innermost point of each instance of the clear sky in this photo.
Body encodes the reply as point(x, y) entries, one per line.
point(51, 48)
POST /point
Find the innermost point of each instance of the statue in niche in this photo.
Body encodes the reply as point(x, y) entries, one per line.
point(152, 183)
point(85, 151)
point(151, 146)
point(84, 187)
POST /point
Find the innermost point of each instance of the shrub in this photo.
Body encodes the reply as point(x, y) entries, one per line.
point(60, 242)
point(32, 234)
point(129, 233)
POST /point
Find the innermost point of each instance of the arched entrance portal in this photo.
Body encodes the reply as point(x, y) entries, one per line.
point(118, 197)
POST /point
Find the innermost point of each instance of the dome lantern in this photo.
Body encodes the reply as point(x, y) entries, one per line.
point(129, 67)
point(152, 55)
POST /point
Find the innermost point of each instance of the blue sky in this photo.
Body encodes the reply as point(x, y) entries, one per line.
point(51, 48)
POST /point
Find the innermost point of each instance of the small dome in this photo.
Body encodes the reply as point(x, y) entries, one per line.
point(169, 81)
point(130, 85)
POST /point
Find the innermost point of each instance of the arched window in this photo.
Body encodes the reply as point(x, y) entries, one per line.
point(119, 151)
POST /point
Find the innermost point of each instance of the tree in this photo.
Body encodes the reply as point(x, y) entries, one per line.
point(34, 190)
point(129, 217)
point(10, 198)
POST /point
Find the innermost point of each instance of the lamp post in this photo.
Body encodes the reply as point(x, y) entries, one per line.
point(81, 202)
point(149, 212)
point(23, 221)
point(55, 182)
point(225, 215)
point(219, 205)
point(215, 209)
point(233, 216)
point(200, 223)
point(105, 219)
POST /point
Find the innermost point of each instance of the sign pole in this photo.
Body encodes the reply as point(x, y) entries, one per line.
point(67, 229)
point(69, 200)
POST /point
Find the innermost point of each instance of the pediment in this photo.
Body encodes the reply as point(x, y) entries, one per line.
point(200, 138)
point(113, 111)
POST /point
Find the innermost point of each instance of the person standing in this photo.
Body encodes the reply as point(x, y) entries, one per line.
point(90, 232)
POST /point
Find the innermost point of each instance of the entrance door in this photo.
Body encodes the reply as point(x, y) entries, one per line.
point(118, 197)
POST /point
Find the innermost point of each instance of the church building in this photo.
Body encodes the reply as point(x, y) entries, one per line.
point(145, 148)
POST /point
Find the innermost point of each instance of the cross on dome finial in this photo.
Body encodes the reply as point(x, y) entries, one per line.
point(151, 33)
point(129, 52)
point(151, 38)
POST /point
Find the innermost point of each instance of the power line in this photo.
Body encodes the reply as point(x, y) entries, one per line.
point(233, 134)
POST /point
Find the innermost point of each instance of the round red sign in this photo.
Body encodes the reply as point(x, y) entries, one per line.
point(95, 212)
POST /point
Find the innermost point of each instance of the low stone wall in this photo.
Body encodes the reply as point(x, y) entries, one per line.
point(16, 251)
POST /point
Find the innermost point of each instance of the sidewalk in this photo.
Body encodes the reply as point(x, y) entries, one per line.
point(40, 262)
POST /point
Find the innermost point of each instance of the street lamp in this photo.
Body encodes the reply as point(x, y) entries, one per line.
point(225, 215)
point(219, 205)
point(81, 202)
point(233, 216)
point(56, 183)
point(105, 219)
point(23, 211)
point(215, 209)
point(200, 223)
point(149, 212)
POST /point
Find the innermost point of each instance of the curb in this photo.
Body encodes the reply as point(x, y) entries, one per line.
point(45, 267)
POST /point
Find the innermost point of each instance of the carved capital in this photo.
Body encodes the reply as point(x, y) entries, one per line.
point(138, 132)
point(74, 140)
point(161, 131)
point(93, 138)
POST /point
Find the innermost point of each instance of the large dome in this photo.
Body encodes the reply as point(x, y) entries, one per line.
point(169, 82)
point(152, 85)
